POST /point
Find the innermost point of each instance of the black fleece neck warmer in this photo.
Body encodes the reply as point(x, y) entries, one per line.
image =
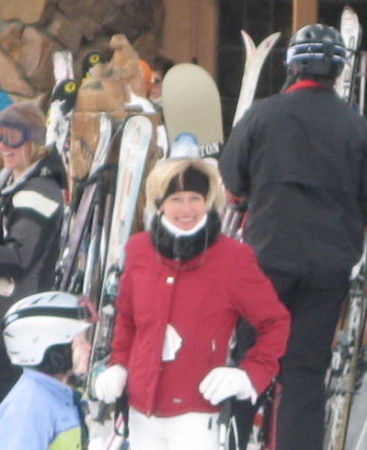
point(184, 248)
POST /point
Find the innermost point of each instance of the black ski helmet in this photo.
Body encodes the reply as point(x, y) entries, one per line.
point(316, 50)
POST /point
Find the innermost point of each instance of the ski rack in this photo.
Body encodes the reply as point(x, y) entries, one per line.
point(348, 359)
point(135, 142)
point(348, 363)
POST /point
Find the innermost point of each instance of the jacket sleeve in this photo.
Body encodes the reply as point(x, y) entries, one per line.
point(235, 157)
point(256, 300)
point(124, 330)
point(30, 222)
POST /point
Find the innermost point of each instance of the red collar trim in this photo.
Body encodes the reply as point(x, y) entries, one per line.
point(305, 84)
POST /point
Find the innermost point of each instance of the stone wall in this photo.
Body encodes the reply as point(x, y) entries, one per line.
point(32, 30)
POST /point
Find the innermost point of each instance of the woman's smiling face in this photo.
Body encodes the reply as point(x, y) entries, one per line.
point(184, 209)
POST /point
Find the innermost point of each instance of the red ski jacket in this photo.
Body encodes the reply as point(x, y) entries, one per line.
point(202, 300)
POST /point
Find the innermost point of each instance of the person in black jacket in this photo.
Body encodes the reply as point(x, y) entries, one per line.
point(31, 212)
point(300, 159)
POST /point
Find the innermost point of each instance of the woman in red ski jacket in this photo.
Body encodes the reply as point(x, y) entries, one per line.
point(184, 287)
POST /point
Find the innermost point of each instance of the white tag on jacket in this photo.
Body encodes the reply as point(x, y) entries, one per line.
point(172, 344)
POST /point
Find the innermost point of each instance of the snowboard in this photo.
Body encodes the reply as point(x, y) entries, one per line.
point(255, 59)
point(351, 32)
point(192, 107)
point(133, 157)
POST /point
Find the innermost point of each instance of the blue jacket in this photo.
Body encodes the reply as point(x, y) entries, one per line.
point(39, 414)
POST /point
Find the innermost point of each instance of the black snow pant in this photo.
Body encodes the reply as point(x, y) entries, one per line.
point(314, 302)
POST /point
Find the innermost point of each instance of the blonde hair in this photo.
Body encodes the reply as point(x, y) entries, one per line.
point(38, 151)
point(162, 174)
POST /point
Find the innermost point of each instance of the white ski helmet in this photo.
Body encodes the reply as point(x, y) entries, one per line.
point(40, 321)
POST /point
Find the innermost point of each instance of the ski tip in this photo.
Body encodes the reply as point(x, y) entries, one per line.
point(248, 42)
point(267, 42)
point(271, 40)
point(349, 18)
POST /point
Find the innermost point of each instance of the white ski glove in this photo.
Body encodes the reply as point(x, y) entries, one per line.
point(224, 382)
point(110, 383)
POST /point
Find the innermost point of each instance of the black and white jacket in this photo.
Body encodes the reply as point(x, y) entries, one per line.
point(31, 213)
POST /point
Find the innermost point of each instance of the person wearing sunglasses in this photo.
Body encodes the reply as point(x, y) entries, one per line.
point(32, 181)
point(45, 334)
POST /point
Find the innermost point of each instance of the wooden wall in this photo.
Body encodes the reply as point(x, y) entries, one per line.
point(304, 13)
point(190, 32)
point(190, 29)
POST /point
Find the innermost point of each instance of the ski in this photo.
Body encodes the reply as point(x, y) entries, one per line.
point(233, 222)
point(347, 365)
point(92, 267)
point(255, 59)
point(78, 222)
point(63, 98)
point(135, 142)
point(362, 81)
point(347, 350)
point(351, 32)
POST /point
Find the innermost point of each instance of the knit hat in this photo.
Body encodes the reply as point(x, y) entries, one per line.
point(191, 180)
point(28, 117)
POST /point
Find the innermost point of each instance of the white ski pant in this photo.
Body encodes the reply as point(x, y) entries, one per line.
point(194, 431)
